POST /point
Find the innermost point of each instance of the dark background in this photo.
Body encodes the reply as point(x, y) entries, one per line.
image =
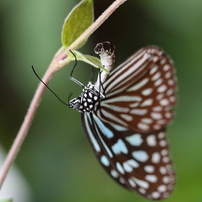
point(56, 158)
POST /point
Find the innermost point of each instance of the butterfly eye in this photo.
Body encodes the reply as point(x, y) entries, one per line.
point(75, 103)
point(125, 118)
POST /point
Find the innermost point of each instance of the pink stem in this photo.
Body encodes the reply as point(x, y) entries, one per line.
point(38, 95)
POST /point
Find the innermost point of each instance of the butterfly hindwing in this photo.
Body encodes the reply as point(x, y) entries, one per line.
point(138, 161)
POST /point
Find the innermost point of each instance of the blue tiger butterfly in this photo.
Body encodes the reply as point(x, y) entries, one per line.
point(125, 116)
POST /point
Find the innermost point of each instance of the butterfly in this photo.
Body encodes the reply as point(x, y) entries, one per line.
point(125, 116)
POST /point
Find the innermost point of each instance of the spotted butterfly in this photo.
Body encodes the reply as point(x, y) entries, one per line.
point(125, 116)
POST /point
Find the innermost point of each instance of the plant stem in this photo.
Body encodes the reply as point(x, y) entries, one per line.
point(61, 54)
point(24, 127)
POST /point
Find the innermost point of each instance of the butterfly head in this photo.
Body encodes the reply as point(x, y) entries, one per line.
point(75, 103)
point(87, 100)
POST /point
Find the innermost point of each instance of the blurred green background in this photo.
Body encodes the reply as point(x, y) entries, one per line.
point(56, 158)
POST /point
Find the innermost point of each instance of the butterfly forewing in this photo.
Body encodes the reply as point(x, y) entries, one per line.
point(138, 161)
point(140, 92)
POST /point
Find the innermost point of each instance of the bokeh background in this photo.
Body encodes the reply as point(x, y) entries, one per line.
point(56, 159)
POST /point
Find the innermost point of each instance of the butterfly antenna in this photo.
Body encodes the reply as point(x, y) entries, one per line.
point(69, 96)
point(70, 76)
point(49, 88)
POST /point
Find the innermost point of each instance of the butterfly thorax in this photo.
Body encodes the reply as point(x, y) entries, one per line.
point(89, 97)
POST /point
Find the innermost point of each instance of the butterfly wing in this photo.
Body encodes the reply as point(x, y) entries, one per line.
point(140, 92)
point(136, 160)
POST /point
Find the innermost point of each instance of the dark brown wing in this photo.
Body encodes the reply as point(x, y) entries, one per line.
point(138, 161)
point(141, 92)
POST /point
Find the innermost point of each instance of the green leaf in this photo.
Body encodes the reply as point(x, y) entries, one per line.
point(93, 61)
point(79, 19)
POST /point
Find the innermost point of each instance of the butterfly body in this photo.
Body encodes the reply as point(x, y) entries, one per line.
point(126, 123)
